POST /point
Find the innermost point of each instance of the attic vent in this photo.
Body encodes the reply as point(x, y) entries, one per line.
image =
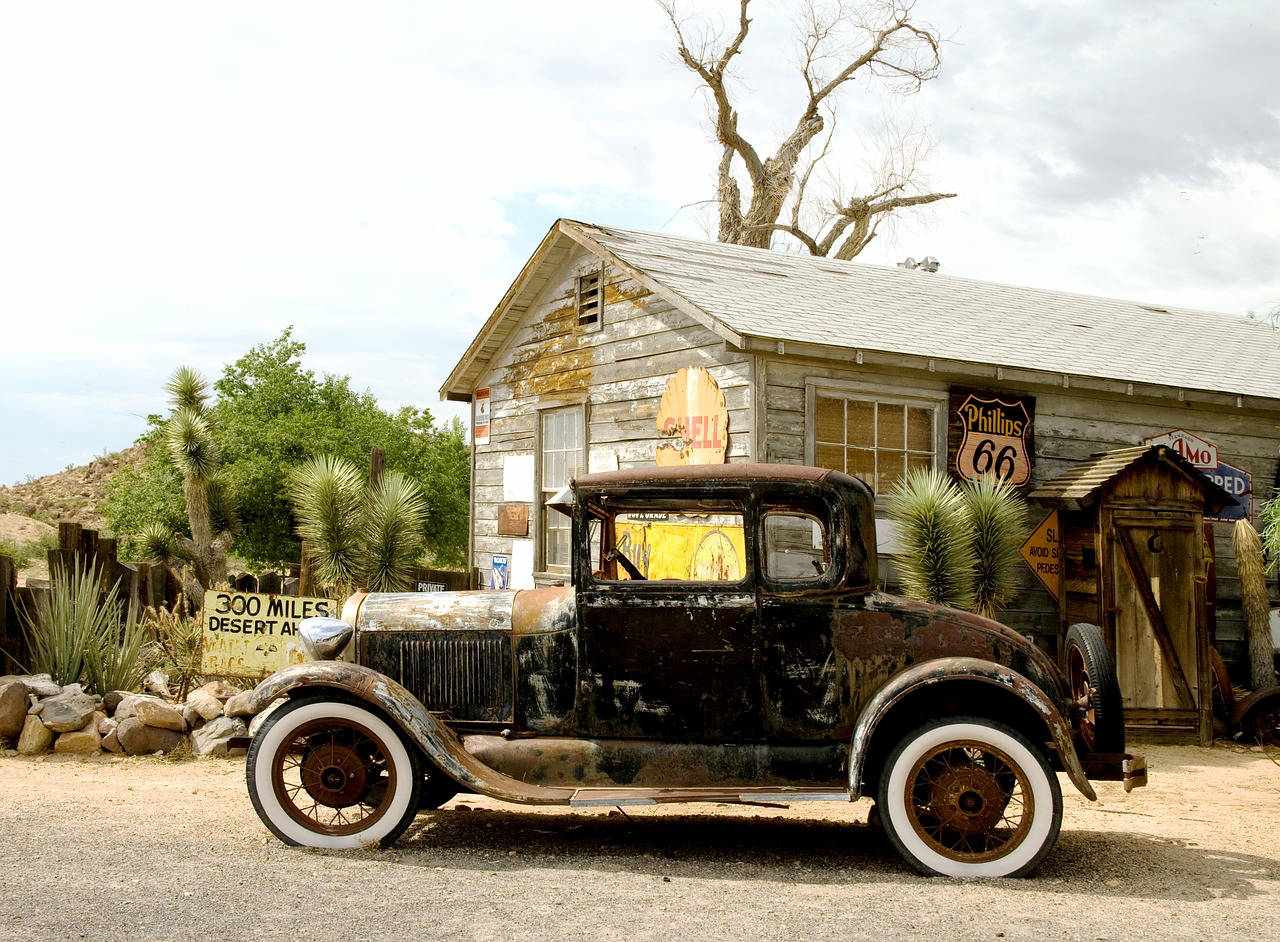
point(589, 301)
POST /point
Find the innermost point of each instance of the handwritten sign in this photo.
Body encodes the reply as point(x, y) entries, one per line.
point(991, 433)
point(1042, 552)
point(248, 634)
point(695, 419)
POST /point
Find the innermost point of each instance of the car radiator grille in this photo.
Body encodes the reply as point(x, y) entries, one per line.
point(466, 674)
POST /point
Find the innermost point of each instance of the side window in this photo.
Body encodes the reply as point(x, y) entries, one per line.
point(796, 547)
point(675, 545)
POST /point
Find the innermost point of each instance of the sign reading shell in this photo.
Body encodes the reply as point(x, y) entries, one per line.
point(248, 634)
point(991, 433)
point(694, 417)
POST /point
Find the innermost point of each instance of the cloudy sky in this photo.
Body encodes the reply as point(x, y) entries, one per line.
point(179, 182)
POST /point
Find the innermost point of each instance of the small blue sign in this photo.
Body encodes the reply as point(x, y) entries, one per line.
point(500, 571)
point(1237, 483)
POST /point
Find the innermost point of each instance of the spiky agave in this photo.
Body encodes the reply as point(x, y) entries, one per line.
point(66, 621)
point(1254, 604)
point(394, 516)
point(937, 562)
point(997, 521)
point(328, 496)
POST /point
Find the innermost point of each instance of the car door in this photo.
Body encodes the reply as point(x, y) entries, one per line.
point(806, 683)
point(669, 648)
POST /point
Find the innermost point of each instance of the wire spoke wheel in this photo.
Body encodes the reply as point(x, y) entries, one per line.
point(333, 776)
point(969, 801)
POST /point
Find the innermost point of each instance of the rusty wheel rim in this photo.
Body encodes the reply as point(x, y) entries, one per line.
point(333, 776)
point(969, 801)
point(1082, 698)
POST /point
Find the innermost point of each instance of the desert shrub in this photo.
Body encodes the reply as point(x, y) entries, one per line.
point(997, 521)
point(23, 554)
point(176, 646)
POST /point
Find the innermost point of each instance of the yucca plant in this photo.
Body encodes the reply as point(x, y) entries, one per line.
point(359, 535)
point(118, 660)
point(997, 521)
point(938, 562)
point(177, 645)
point(1254, 603)
point(65, 622)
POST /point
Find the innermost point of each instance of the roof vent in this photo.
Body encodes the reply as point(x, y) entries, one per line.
point(928, 263)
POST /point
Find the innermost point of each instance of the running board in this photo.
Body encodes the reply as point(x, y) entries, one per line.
point(611, 797)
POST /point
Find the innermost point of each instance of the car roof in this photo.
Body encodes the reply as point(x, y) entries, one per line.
point(706, 473)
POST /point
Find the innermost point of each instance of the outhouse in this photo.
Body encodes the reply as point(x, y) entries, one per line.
point(1135, 561)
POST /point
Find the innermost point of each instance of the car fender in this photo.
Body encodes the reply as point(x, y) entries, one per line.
point(946, 669)
point(439, 743)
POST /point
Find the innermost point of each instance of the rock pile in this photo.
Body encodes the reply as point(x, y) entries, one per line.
point(36, 714)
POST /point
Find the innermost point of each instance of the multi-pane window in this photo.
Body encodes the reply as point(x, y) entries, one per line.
point(560, 444)
point(875, 441)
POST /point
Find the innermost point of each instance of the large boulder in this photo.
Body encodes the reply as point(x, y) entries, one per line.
point(13, 709)
point(206, 705)
point(220, 689)
point(214, 738)
point(68, 711)
point(138, 738)
point(128, 705)
point(161, 715)
point(83, 741)
point(239, 705)
point(35, 737)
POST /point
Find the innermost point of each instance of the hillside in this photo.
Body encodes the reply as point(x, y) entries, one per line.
point(73, 494)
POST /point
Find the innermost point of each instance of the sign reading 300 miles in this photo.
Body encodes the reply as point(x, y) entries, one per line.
point(991, 433)
point(247, 634)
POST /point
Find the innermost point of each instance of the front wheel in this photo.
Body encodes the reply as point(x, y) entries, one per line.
point(329, 773)
point(970, 797)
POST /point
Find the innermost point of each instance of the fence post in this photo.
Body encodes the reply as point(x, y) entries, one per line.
point(377, 464)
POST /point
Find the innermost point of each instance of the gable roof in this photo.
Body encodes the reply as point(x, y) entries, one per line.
point(744, 293)
point(1079, 486)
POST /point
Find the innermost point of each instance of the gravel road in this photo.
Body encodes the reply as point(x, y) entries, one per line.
point(115, 848)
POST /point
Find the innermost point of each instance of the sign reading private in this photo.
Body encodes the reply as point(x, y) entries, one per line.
point(990, 433)
point(1042, 552)
point(694, 419)
point(248, 634)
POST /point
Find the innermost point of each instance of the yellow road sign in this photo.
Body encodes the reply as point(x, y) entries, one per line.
point(1043, 554)
point(248, 634)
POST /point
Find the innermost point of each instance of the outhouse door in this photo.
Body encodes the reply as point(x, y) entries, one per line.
point(1155, 565)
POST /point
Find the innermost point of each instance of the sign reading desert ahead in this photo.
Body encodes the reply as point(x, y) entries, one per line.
point(991, 433)
point(693, 415)
point(248, 634)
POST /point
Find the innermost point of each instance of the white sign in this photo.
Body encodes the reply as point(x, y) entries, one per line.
point(521, 565)
point(517, 478)
point(1202, 454)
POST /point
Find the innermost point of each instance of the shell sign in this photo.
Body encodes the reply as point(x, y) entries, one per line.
point(694, 417)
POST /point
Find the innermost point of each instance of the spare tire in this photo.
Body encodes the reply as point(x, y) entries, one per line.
point(1095, 692)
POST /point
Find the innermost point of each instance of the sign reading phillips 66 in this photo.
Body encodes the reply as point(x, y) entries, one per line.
point(992, 433)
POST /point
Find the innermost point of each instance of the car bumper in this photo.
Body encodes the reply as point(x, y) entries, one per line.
point(1116, 767)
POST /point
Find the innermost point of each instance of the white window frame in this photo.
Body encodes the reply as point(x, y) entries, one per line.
point(935, 400)
point(542, 491)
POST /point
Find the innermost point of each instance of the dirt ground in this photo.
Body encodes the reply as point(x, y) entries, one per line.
point(115, 848)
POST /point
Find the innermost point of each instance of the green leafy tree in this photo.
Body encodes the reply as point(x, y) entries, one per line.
point(365, 535)
point(272, 415)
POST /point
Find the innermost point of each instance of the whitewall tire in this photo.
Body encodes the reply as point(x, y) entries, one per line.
point(333, 774)
point(970, 797)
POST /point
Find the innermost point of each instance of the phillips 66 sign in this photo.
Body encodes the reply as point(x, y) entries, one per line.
point(991, 433)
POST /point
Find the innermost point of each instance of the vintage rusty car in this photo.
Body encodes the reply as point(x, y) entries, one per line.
point(720, 638)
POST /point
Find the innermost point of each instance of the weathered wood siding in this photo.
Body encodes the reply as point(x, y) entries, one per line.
point(619, 372)
point(1069, 426)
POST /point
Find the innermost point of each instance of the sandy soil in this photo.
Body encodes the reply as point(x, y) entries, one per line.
point(112, 848)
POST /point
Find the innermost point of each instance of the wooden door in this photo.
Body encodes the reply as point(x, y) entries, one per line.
point(1155, 562)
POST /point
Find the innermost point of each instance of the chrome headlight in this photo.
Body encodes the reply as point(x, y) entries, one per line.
point(323, 639)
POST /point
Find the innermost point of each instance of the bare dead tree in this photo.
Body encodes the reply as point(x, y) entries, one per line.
point(839, 41)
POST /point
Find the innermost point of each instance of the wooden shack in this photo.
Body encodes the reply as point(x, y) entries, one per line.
point(1135, 562)
point(591, 358)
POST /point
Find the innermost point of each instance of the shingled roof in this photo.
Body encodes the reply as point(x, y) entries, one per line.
point(745, 293)
point(1079, 486)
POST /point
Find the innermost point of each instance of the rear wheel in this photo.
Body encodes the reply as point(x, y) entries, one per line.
point(330, 773)
point(1095, 692)
point(970, 797)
